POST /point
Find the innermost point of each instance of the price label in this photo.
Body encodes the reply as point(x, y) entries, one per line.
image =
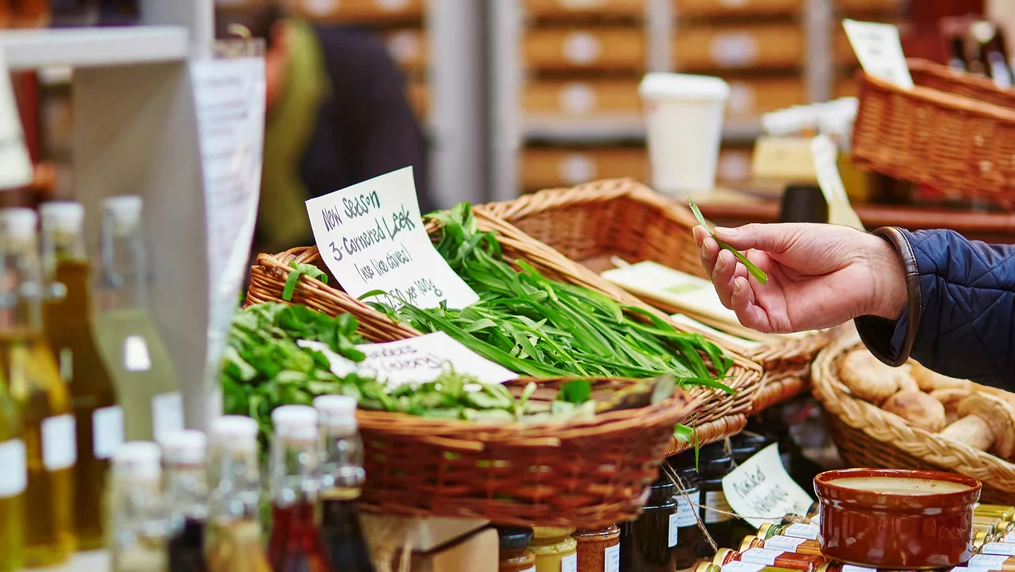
point(761, 491)
point(806, 531)
point(760, 556)
point(1000, 548)
point(167, 414)
point(787, 543)
point(739, 566)
point(15, 163)
point(14, 476)
point(59, 444)
point(611, 559)
point(674, 530)
point(107, 431)
point(371, 237)
point(716, 507)
point(879, 50)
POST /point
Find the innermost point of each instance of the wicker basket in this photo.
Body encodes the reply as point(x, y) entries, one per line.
point(577, 473)
point(269, 274)
point(869, 437)
point(594, 222)
point(953, 131)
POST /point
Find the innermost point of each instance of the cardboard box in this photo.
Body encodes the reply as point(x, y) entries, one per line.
point(603, 48)
point(709, 48)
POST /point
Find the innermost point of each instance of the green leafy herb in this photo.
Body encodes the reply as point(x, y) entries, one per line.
point(575, 391)
point(294, 277)
point(756, 272)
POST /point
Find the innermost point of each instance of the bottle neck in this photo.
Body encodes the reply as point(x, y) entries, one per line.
point(186, 492)
point(137, 511)
point(124, 282)
point(20, 287)
point(295, 470)
point(237, 485)
point(342, 472)
point(65, 271)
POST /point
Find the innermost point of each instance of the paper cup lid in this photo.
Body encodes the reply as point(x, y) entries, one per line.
point(658, 85)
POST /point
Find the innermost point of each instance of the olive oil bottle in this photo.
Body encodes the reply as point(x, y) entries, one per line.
point(67, 319)
point(34, 384)
point(13, 479)
point(136, 357)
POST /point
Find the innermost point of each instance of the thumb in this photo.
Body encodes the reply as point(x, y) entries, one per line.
point(766, 237)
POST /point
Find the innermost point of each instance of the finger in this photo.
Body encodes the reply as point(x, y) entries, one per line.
point(709, 253)
point(699, 234)
point(746, 307)
point(723, 275)
point(767, 237)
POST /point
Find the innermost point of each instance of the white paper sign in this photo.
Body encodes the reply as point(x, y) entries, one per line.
point(415, 360)
point(15, 164)
point(879, 49)
point(760, 491)
point(371, 236)
point(826, 168)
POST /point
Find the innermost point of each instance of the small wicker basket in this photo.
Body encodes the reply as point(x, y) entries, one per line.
point(595, 222)
point(867, 436)
point(953, 131)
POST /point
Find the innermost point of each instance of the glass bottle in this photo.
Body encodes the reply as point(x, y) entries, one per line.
point(35, 386)
point(66, 13)
point(777, 558)
point(598, 549)
point(796, 530)
point(67, 322)
point(13, 480)
point(783, 543)
point(234, 530)
point(342, 477)
point(714, 463)
point(186, 498)
point(135, 355)
point(648, 544)
point(295, 542)
point(515, 555)
point(688, 497)
point(555, 550)
point(137, 527)
point(1006, 513)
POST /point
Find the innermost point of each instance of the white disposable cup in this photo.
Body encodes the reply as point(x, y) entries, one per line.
point(684, 119)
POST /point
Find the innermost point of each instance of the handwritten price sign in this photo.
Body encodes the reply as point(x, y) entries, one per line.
point(761, 491)
point(371, 236)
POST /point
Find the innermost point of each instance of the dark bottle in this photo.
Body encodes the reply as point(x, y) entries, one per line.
point(515, 555)
point(186, 498)
point(118, 12)
point(68, 13)
point(714, 463)
point(295, 544)
point(688, 497)
point(647, 544)
point(342, 477)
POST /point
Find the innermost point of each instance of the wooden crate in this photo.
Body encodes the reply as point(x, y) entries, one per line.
point(564, 8)
point(409, 47)
point(603, 48)
point(418, 92)
point(545, 167)
point(706, 48)
point(750, 98)
point(726, 8)
point(582, 98)
point(366, 11)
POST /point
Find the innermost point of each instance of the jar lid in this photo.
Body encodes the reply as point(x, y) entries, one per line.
point(764, 529)
point(514, 538)
point(723, 556)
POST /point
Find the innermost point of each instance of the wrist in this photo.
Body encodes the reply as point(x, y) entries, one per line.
point(889, 292)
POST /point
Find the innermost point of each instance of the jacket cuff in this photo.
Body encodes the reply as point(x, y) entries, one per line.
point(892, 341)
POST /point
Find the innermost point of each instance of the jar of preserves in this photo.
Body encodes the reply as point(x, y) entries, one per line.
point(688, 497)
point(796, 530)
point(647, 543)
point(599, 549)
point(554, 548)
point(515, 555)
point(765, 557)
point(714, 463)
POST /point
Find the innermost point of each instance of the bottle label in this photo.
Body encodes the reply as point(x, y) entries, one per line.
point(716, 507)
point(107, 431)
point(685, 513)
point(14, 476)
point(998, 548)
point(167, 414)
point(760, 556)
point(987, 561)
point(852, 568)
point(788, 543)
point(742, 567)
point(808, 531)
point(569, 563)
point(135, 354)
point(611, 559)
point(671, 538)
point(59, 444)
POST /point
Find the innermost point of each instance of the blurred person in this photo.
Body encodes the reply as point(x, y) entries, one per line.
point(337, 115)
point(932, 295)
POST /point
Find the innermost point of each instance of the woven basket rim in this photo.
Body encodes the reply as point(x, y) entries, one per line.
point(891, 429)
point(966, 105)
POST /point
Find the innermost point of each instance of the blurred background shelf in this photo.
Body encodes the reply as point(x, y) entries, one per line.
point(91, 47)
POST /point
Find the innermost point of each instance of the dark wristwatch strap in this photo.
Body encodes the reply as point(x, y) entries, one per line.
point(914, 305)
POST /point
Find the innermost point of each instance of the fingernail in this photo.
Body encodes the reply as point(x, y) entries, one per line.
point(737, 288)
point(719, 262)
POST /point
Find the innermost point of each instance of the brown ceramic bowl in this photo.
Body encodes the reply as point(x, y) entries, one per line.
point(885, 518)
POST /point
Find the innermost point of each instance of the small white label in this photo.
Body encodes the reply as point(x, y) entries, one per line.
point(852, 568)
point(533, 569)
point(135, 354)
point(686, 515)
point(760, 556)
point(577, 99)
point(742, 101)
point(107, 431)
point(734, 49)
point(66, 365)
point(716, 507)
point(798, 530)
point(14, 476)
point(611, 557)
point(167, 414)
point(674, 530)
point(987, 561)
point(581, 48)
point(577, 168)
point(734, 166)
point(879, 49)
point(1010, 537)
point(998, 548)
point(787, 543)
point(738, 566)
point(569, 563)
point(59, 445)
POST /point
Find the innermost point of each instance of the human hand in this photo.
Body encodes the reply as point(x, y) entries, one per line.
point(819, 276)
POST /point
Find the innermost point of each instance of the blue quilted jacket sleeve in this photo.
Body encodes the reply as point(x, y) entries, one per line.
point(962, 304)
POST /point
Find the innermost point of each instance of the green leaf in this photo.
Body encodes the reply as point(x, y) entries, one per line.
point(756, 272)
point(294, 276)
point(575, 391)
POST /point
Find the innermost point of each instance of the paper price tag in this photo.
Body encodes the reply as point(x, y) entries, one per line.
point(879, 50)
point(739, 566)
point(805, 531)
point(826, 168)
point(760, 556)
point(760, 490)
point(415, 360)
point(371, 236)
point(787, 543)
point(987, 561)
point(15, 163)
point(716, 507)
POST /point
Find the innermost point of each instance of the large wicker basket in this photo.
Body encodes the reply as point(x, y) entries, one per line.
point(716, 414)
point(953, 131)
point(866, 436)
point(583, 473)
point(595, 222)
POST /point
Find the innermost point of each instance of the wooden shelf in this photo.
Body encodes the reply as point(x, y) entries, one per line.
point(94, 47)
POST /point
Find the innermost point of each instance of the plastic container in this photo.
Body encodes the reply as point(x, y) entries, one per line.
point(555, 550)
point(648, 543)
point(684, 121)
point(515, 555)
point(598, 550)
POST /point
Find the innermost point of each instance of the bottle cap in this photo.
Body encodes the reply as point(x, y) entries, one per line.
point(62, 216)
point(336, 410)
point(234, 432)
point(185, 447)
point(125, 209)
point(138, 459)
point(18, 222)
point(298, 421)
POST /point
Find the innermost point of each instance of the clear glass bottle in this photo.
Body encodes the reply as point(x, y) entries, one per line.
point(137, 526)
point(67, 321)
point(186, 499)
point(34, 384)
point(342, 477)
point(234, 529)
point(13, 480)
point(295, 542)
point(133, 350)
